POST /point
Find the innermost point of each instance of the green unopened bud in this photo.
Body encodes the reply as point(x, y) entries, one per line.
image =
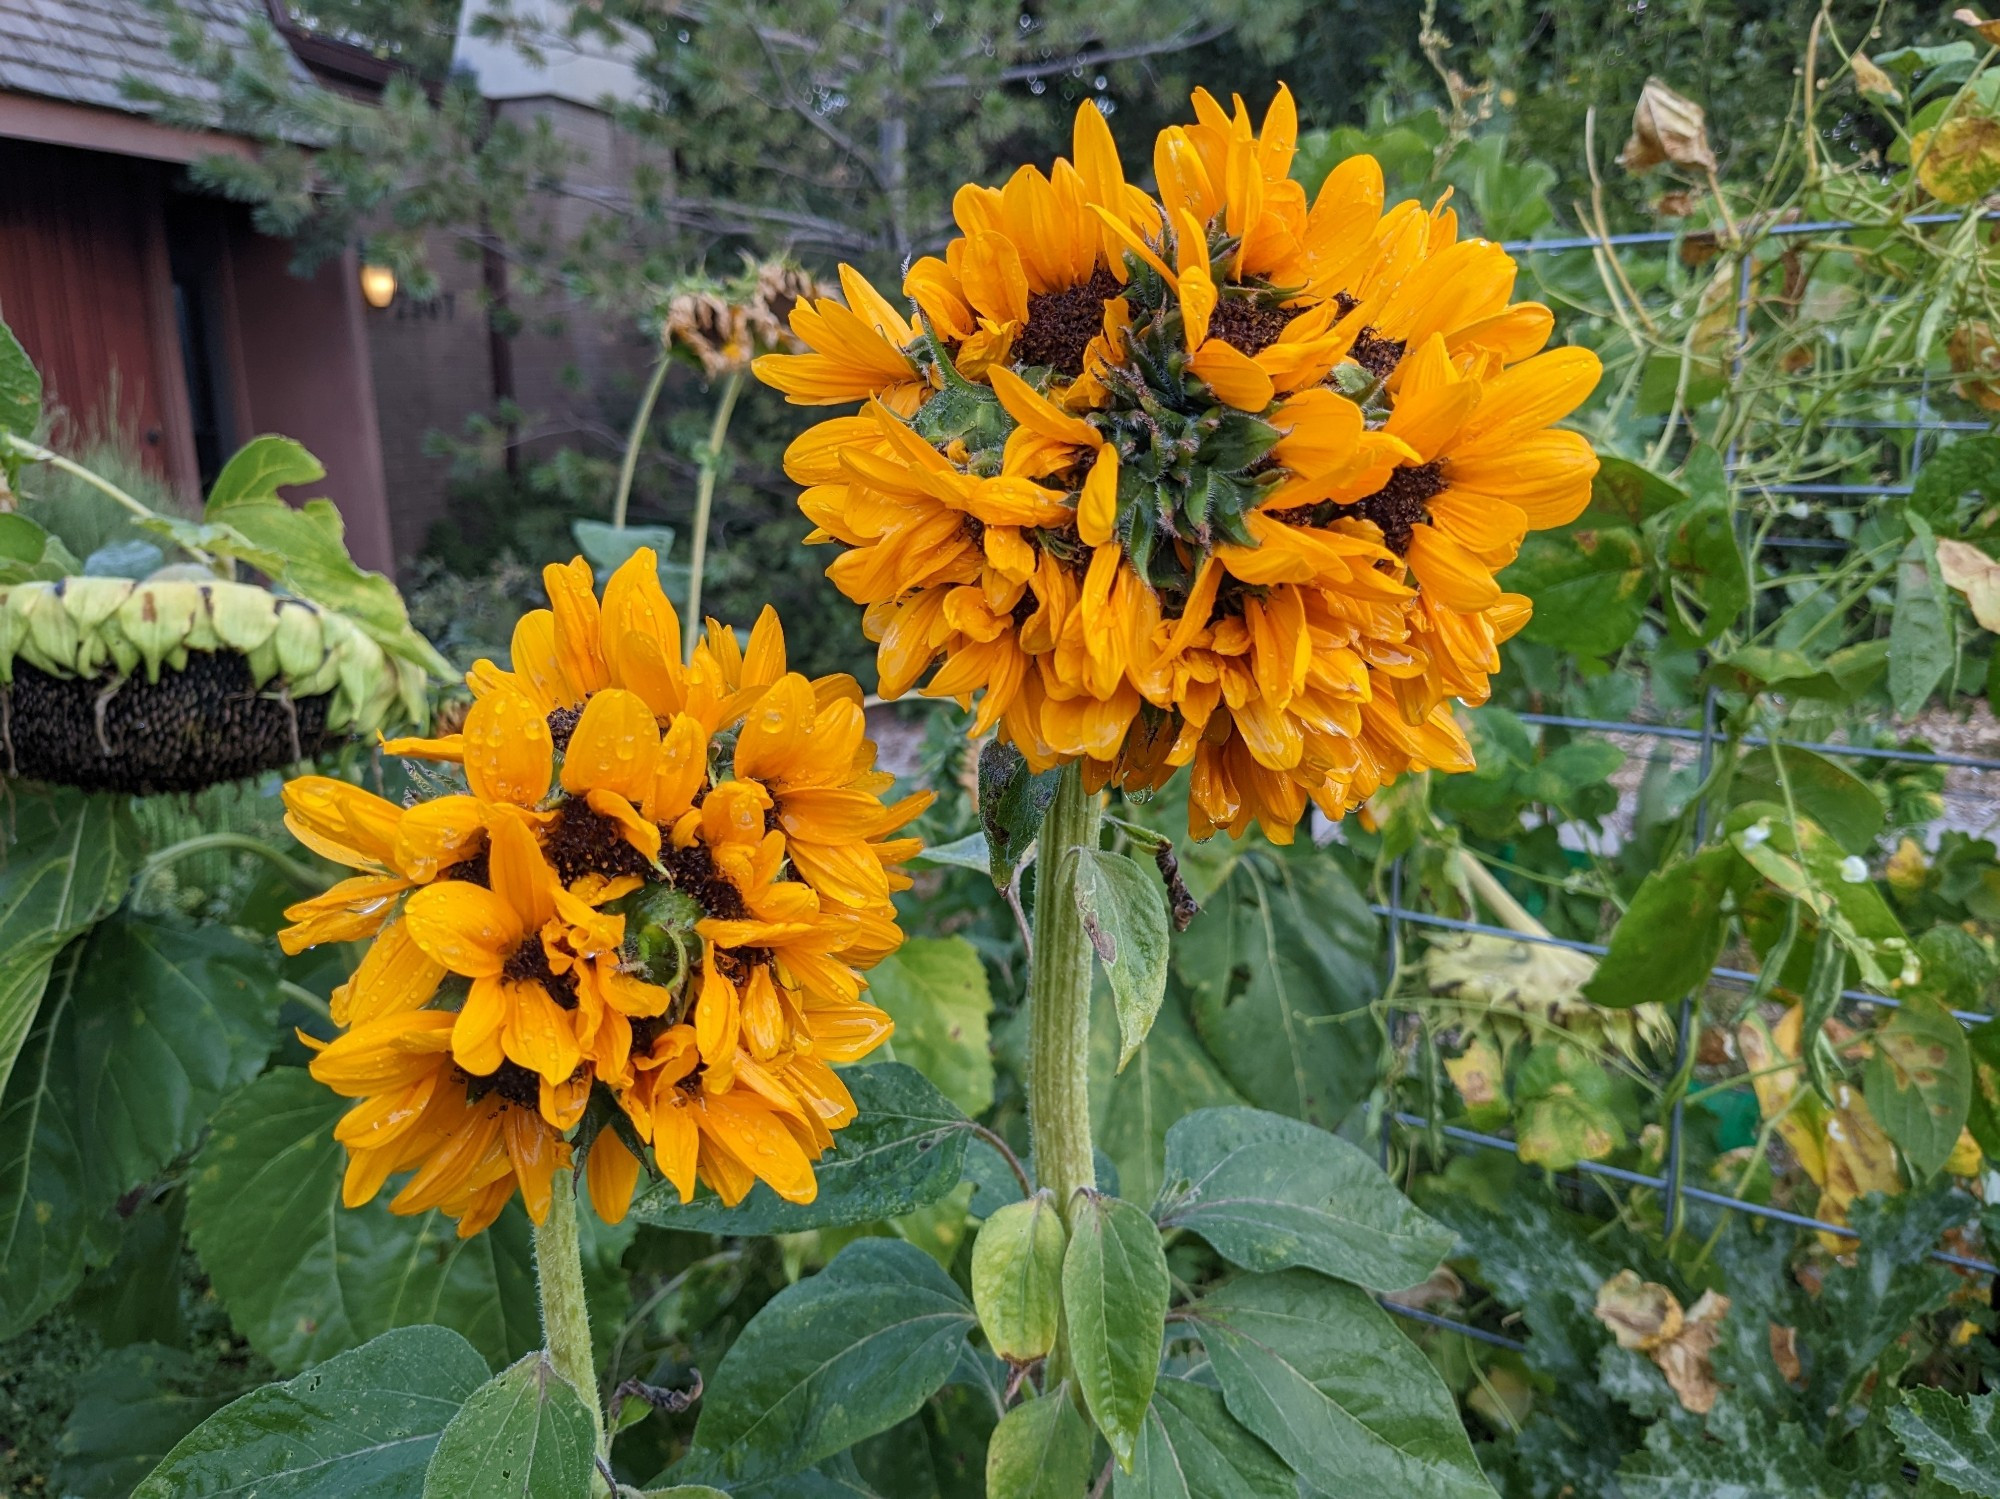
point(1017, 1278)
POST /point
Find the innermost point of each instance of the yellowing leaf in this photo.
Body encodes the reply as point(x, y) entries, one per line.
point(1959, 161)
point(1666, 128)
point(1988, 30)
point(1964, 567)
point(1871, 80)
point(1477, 1073)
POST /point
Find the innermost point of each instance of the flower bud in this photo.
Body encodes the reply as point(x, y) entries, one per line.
point(1017, 1278)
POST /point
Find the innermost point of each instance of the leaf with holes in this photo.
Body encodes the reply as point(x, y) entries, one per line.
point(1124, 909)
point(526, 1432)
point(1114, 1296)
point(304, 1277)
point(833, 1359)
point(1919, 1081)
point(1317, 1370)
point(363, 1423)
point(1268, 1193)
point(904, 1150)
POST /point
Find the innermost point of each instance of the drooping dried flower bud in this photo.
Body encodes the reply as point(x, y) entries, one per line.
point(1666, 128)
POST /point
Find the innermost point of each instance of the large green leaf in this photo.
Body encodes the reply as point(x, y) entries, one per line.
point(364, 1423)
point(1919, 1081)
point(303, 1277)
point(1983, 1117)
point(1170, 1076)
point(1114, 1296)
point(525, 1432)
point(906, 1148)
point(1124, 908)
point(1192, 1448)
point(934, 988)
point(836, 1358)
point(1040, 1450)
point(68, 856)
point(1318, 1371)
point(145, 1029)
point(1829, 793)
point(1588, 582)
point(1282, 969)
point(1269, 1193)
point(1922, 646)
point(134, 1407)
point(1956, 1441)
point(1670, 934)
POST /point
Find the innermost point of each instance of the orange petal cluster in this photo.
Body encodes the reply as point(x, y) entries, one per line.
point(1218, 476)
point(662, 879)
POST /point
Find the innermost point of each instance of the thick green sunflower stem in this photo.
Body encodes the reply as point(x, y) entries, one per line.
point(1059, 999)
point(565, 1315)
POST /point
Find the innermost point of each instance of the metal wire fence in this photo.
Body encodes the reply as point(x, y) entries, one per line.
point(1709, 739)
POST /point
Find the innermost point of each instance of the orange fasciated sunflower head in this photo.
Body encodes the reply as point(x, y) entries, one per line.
point(664, 879)
point(1217, 481)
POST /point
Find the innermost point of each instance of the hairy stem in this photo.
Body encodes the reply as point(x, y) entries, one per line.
point(565, 1317)
point(1059, 999)
point(704, 497)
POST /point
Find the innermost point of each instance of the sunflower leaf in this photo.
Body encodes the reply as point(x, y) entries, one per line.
point(1114, 1294)
point(1268, 1193)
point(836, 1358)
point(905, 1148)
point(1124, 909)
point(364, 1422)
point(304, 1277)
point(144, 1030)
point(1317, 1370)
point(525, 1432)
point(1040, 1450)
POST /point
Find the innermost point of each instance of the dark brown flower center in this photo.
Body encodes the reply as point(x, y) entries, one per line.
point(1061, 324)
point(475, 870)
point(1376, 354)
point(692, 871)
point(529, 964)
point(562, 725)
point(513, 1082)
point(1247, 326)
point(1395, 508)
point(581, 840)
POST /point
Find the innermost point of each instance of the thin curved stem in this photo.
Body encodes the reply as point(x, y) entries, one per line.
point(622, 500)
point(704, 498)
point(203, 843)
point(35, 453)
